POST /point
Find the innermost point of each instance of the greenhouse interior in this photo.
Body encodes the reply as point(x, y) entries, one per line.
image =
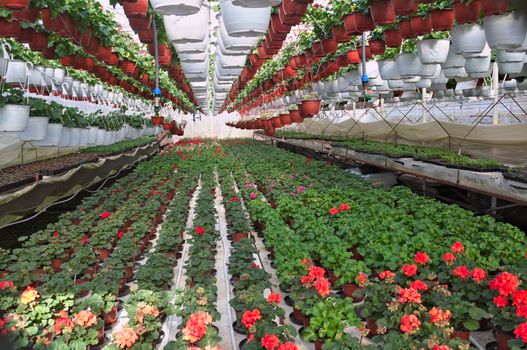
point(263, 174)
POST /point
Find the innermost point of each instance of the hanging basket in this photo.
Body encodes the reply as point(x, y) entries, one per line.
point(27, 15)
point(466, 12)
point(310, 108)
point(442, 20)
point(176, 7)
point(14, 4)
point(393, 38)
point(157, 120)
point(494, 7)
point(506, 31)
point(404, 7)
point(382, 12)
point(9, 29)
point(139, 8)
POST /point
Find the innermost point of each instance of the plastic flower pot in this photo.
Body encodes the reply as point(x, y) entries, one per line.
point(14, 4)
point(139, 8)
point(349, 288)
point(388, 70)
point(240, 21)
point(404, 7)
point(433, 51)
point(269, 131)
point(187, 29)
point(295, 116)
point(53, 136)
point(421, 26)
point(27, 15)
point(463, 335)
point(236, 237)
point(38, 41)
point(14, 117)
point(276, 122)
point(36, 130)
point(502, 339)
point(468, 38)
point(382, 12)
point(110, 318)
point(329, 45)
point(466, 12)
point(478, 67)
point(176, 7)
point(513, 23)
point(393, 38)
point(285, 118)
point(364, 22)
point(9, 29)
point(405, 27)
point(350, 24)
point(52, 24)
point(494, 7)
point(442, 20)
point(377, 47)
point(340, 35)
point(141, 23)
point(310, 108)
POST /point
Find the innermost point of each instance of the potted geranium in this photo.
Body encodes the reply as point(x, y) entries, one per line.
point(14, 111)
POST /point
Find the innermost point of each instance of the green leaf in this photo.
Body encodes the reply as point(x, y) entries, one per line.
point(471, 325)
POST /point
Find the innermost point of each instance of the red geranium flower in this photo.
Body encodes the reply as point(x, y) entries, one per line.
point(120, 234)
point(440, 317)
point(6, 284)
point(334, 211)
point(63, 324)
point(506, 283)
point(521, 332)
point(519, 297)
point(449, 258)
point(421, 258)
point(410, 324)
point(419, 285)
point(274, 298)
point(288, 346)
point(270, 341)
point(249, 318)
point(500, 301)
point(200, 230)
point(105, 215)
point(85, 239)
point(457, 247)
point(478, 274)
point(409, 270)
point(234, 199)
point(55, 234)
point(344, 207)
point(386, 275)
point(362, 278)
point(409, 295)
point(322, 286)
point(521, 311)
point(441, 347)
point(461, 272)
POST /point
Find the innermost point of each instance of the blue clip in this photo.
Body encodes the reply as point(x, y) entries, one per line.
point(365, 79)
point(157, 92)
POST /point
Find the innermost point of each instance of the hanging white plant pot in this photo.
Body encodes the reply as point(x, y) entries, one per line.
point(478, 67)
point(92, 139)
point(343, 83)
point(456, 72)
point(236, 43)
point(510, 56)
point(65, 137)
point(35, 77)
point(36, 130)
point(48, 76)
point(440, 79)
point(372, 69)
point(408, 65)
point(192, 57)
point(484, 53)
point(75, 134)
point(243, 21)
point(58, 76)
point(468, 38)
point(4, 61)
point(430, 70)
point(454, 60)
point(198, 47)
point(187, 29)
point(101, 136)
point(424, 83)
point(523, 72)
point(14, 117)
point(17, 72)
point(176, 7)
point(506, 31)
point(231, 61)
point(510, 67)
point(84, 137)
point(433, 51)
point(195, 67)
point(53, 136)
point(388, 69)
point(233, 50)
point(256, 3)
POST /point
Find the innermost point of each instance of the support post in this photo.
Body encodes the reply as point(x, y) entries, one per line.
point(495, 89)
point(423, 101)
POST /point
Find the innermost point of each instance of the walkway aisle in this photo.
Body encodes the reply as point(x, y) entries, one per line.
point(265, 262)
point(123, 315)
point(170, 327)
point(226, 331)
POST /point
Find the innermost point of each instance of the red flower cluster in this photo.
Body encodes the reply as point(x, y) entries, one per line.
point(386, 275)
point(270, 341)
point(316, 277)
point(63, 324)
point(344, 207)
point(200, 230)
point(409, 270)
point(521, 332)
point(505, 283)
point(196, 326)
point(419, 285)
point(421, 258)
point(500, 301)
point(457, 247)
point(288, 346)
point(478, 275)
point(362, 278)
point(274, 298)
point(409, 295)
point(105, 215)
point(249, 318)
point(441, 347)
point(55, 234)
point(461, 272)
point(85, 239)
point(234, 199)
point(440, 317)
point(410, 324)
point(449, 258)
point(6, 284)
point(334, 211)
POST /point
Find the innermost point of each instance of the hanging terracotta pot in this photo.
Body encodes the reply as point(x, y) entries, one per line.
point(340, 35)
point(382, 12)
point(405, 27)
point(104, 53)
point(276, 122)
point(377, 47)
point(9, 29)
point(67, 61)
point(421, 26)
point(26, 34)
point(369, 53)
point(127, 67)
point(52, 24)
point(466, 12)
point(350, 24)
point(270, 131)
point(494, 7)
point(310, 108)
point(49, 53)
point(463, 335)
point(28, 15)
point(404, 7)
point(442, 20)
point(39, 41)
point(393, 38)
point(328, 46)
point(285, 119)
point(139, 8)
point(140, 23)
point(502, 339)
point(146, 36)
point(14, 4)
point(364, 22)
point(295, 116)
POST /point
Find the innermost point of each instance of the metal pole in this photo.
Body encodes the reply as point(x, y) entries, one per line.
point(157, 91)
point(364, 77)
point(423, 93)
point(495, 88)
